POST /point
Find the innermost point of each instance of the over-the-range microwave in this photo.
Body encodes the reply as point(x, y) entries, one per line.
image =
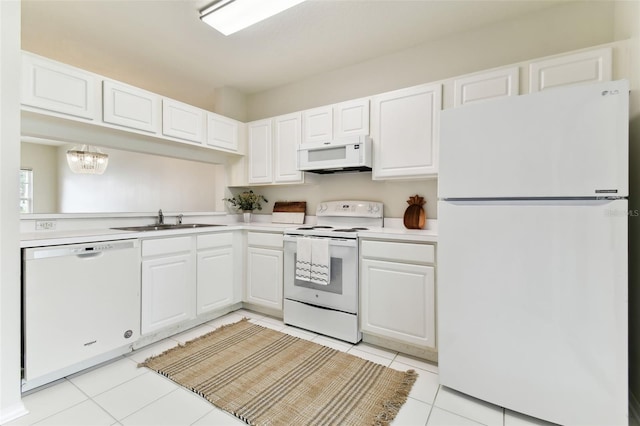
point(342, 155)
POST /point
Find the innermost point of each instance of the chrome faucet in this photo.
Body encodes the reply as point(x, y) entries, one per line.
point(179, 219)
point(160, 217)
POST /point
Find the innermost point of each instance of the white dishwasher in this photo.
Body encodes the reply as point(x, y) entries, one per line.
point(81, 306)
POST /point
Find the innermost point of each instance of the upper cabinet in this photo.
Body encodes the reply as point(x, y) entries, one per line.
point(351, 118)
point(583, 67)
point(222, 132)
point(287, 135)
point(337, 121)
point(318, 124)
point(403, 124)
point(485, 86)
point(404, 130)
point(130, 107)
point(259, 146)
point(273, 149)
point(182, 121)
point(58, 88)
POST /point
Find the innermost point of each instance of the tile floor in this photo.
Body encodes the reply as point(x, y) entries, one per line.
point(119, 393)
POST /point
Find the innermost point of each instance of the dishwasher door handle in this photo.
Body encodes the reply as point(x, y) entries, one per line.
point(90, 255)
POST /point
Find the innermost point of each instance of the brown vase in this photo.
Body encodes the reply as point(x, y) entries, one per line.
point(414, 216)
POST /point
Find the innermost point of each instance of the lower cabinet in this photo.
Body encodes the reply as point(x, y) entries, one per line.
point(215, 272)
point(398, 291)
point(186, 277)
point(168, 283)
point(264, 269)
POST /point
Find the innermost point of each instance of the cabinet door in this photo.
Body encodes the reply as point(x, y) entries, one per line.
point(351, 118)
point(584, 67)
point(168, 291)
point(397, 301)
point(287, 137)
point(57, 87)
point(182, 121)
point(260, 155)
point(404, 128)
point(215, 279)
point(222, 132)
point(485, 86)
point(264, 277)
point(317, 125)
point(130, 107)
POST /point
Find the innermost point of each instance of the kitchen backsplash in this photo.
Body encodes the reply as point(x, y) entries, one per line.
point(353, 186)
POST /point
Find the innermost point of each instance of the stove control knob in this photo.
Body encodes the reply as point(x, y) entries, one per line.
point(322, 207)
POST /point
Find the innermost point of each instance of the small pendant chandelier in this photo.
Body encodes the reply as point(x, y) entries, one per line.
point(87, 160)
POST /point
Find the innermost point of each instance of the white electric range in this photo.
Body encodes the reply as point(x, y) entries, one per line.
point(329, 308)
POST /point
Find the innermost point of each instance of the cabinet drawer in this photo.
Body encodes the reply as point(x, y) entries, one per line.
point(264, 239)
point(166, 246)
point(214, 240)
point(402, 252)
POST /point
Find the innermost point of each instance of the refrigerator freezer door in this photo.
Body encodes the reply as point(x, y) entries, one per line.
point(532, 307)
point(566, 142)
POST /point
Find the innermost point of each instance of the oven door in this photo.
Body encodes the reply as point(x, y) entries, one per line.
point(342, 291)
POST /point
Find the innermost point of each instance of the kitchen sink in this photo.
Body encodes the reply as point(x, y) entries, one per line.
point(144, 228)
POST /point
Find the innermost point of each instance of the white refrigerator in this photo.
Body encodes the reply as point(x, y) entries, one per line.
point(532, 253)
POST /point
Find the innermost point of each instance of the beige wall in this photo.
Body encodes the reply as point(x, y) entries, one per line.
point(133, 182)
point(230, 103)
point(140, 183)
point(555, 30)
point(353, 186)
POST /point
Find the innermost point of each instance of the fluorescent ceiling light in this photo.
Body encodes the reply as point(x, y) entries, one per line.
point(229, 16)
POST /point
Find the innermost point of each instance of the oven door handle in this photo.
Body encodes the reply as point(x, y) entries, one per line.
point(343, 242)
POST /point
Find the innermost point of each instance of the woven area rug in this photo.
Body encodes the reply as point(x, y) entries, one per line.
point(265, 377)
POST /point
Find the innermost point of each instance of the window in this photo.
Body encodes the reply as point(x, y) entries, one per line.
point(26, 191)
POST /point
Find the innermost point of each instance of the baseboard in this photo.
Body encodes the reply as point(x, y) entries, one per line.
point(634, 409)
point(428, 354)
point(276, 313)
point(12, 412)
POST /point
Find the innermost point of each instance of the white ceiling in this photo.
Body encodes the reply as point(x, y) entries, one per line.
point(161, 45)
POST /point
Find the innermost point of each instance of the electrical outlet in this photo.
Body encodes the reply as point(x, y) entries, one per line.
point(45, 225)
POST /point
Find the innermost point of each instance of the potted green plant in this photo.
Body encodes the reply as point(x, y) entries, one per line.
point(247, 201)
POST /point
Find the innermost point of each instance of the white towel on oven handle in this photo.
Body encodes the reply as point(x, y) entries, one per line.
point(320, 261)
point(303, 259)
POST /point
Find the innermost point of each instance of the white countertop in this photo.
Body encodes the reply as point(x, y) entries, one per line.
point(49, 238)
point(401, 234)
